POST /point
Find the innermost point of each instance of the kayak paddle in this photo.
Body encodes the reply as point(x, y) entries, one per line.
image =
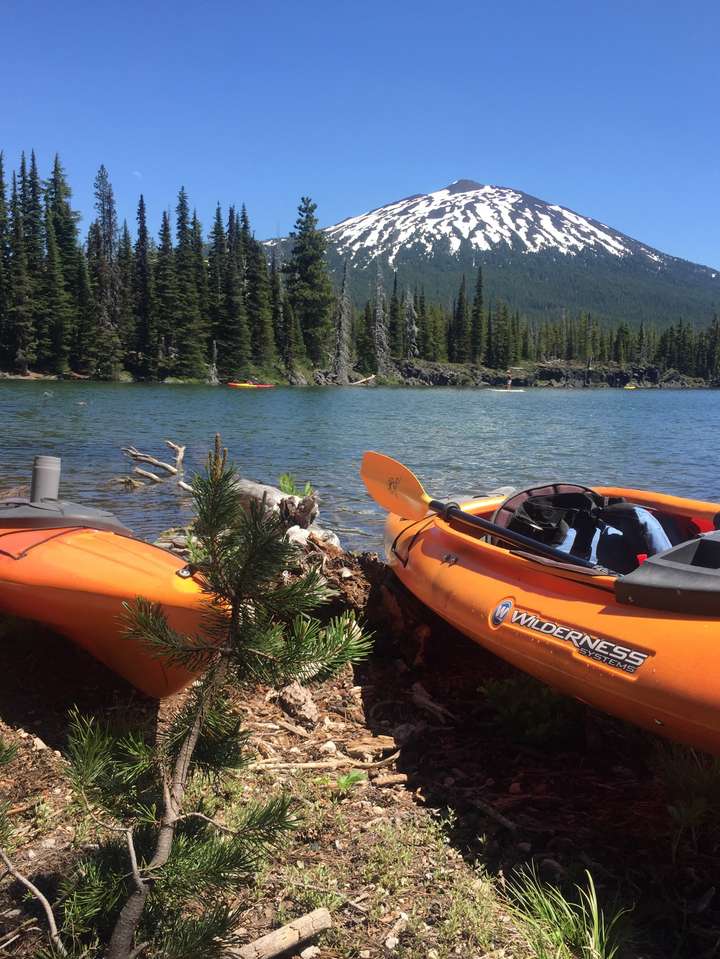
point(396, 488)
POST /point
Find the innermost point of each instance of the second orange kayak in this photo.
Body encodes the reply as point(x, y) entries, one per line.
point(75, 580)
point(642, 644)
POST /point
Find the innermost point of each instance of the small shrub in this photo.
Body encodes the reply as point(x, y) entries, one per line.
point(345, 784)
point(288, 486)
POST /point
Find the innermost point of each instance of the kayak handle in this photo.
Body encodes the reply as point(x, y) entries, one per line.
point(449, 511)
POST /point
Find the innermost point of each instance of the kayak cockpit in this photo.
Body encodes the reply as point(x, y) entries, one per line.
point(658, 551)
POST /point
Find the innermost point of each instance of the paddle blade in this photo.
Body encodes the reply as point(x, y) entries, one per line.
point(393, 486)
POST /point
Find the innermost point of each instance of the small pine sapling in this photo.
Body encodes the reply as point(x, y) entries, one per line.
point(160, 885)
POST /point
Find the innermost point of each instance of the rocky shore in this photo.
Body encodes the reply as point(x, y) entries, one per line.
point(557, 374)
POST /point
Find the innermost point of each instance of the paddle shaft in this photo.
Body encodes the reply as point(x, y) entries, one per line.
point(507, 535)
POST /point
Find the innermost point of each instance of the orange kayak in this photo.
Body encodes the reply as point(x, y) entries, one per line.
point(642, 644)
point(75, 580)
point(252, 386)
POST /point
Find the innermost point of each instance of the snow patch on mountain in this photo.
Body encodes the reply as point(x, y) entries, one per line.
point(483, 217)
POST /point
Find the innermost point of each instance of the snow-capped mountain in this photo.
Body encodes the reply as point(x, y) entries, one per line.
point(482, 218)
point(541, 258)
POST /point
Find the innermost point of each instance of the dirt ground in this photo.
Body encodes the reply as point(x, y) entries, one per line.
point(434, 771)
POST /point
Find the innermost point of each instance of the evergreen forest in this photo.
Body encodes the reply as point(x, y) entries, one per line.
point(217, 304)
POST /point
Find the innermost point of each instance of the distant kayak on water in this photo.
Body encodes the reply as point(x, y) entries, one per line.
point(252, 386)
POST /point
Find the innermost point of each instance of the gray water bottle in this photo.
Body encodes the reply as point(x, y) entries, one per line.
point(45, 478)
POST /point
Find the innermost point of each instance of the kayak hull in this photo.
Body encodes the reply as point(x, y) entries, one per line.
point(76, 580)
point(652, 668)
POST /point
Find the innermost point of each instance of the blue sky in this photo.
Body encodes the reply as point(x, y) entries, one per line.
point(609, 108)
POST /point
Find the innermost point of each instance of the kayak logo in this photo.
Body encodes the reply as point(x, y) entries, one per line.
point(602, 650)
point(500, 612)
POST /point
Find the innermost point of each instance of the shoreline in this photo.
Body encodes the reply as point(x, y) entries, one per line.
point(426, 374)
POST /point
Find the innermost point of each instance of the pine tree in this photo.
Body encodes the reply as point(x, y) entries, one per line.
point(244, 241)
point(461, 326)
point(233, 340)
point(126, 312)
point(343, 321)
point(33, 223)
point(56, 304)
point(65, 224)
point(410, 337)
point(437, 349)
point(105, 278)
point(276, 307)
point(200, 272)
point(364, 346)
point(83, 343)
point(395, 321)
point(259, 308)
point(189, 340)
point(146, 355)
point(294, 343)
point(217, 265)
point(477, 322)
point(490, 345)
point(381, 348)
point(424, 336)
point(233, 239)
point(166, 298)
point(308, 283)
point(21, 329)
point(106, 214)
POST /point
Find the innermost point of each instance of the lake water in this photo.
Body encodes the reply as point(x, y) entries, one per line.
point(457, 441)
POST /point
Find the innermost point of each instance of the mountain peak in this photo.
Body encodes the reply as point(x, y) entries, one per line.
point(469, 217)
point(463, 186)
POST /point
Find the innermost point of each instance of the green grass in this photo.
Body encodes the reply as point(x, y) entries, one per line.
point(560, 928)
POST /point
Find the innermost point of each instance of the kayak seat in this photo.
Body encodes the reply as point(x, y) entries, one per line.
point(505, 513)
point(609, 532)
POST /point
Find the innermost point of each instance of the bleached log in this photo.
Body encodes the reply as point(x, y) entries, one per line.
point(148, 475)
point(152, 460)
point(363, 382)
point(286, 937)
point(179, 452)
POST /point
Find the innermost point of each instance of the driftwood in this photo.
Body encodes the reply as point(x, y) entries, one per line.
point(139, 457)
point(147, 474)
point(176, 469)
point(364, 381)
point(286, 938)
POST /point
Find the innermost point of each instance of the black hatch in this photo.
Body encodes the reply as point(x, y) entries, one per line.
point(683, 579)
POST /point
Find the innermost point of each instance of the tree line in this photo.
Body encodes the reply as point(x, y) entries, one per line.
point(489, 333)
point(182, 305)
point(224, 305)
